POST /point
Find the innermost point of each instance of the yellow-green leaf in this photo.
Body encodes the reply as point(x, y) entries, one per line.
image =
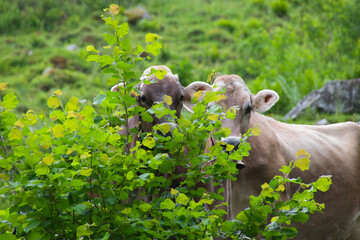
point(149, 142)
point(3, 176)
point(213, 117)
point(91, 48)
point(71, 124)
point(151, 37)
point(164, 128)
point(114, 9)
point(219, 97)
point(53, 102)
point(303, 163)
point(182, 199)
point(173, 191)
point(323, 183)
point(126, 211)
point(197, 95)
point(302, 152)
point(86, 172)
point(3, 86)
point(58, 92)
point(44, 170)
point(280, 188)
point(15, 134)
point(167, 100)
point(273, 219)
point(229, 147)
point(255, 131)
point(10, 101)
point(167, 204)
point(58, 131)
point(48, 160)
point(73, 104)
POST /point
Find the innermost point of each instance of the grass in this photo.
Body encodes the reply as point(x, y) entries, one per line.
point(292, 47)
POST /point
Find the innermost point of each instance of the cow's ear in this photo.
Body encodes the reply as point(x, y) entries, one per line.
point(264, 100)
point(190, 90)
point(115, 88)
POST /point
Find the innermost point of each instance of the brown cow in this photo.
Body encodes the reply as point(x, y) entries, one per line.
point(334, 149)
point(152, 93)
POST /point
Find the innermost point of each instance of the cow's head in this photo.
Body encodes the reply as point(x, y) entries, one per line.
point(169, 85)
point(239, 97)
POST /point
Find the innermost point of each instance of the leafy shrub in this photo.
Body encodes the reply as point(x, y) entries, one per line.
point(65, 175)
point(280, 7)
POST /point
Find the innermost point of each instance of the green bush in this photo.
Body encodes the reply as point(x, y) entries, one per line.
point(65, 175)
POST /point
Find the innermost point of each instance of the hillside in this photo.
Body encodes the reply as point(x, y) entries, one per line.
point(292, 47)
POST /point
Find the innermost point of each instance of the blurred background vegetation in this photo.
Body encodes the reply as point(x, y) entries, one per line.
point(290, 46)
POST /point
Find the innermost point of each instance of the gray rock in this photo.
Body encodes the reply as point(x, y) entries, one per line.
point(47, 71)
point(341, 96)
point(72, 47)
point(322, 122)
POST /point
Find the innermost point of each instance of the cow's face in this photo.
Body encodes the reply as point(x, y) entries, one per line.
point(154, 93)
point(243, 101)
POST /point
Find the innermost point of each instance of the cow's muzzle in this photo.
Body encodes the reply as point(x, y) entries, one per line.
point(234, 141)
point(162, 131)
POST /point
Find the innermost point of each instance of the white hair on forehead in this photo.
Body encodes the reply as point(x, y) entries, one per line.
point(147, 71)
point(229, 81)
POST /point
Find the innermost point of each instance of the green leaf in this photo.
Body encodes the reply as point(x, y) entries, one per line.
point(123, 30)
point(125, 66)
point(44, 170)
point(83, 230)
point(241, 217)
point(110, 39)
point(153, 48)
point(10, 101)
point(79, 208)
point(146, 117)
point(7, 236)
point(300, 217)
point(145, 207)
point(125, 45)
point(323, 183)
point(105, 60)
point(99, 99)
point(167, 204)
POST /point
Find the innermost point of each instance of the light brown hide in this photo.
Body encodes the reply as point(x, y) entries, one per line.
point(334, 149)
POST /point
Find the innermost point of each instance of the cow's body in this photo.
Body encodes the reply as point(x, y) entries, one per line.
point(334, 150)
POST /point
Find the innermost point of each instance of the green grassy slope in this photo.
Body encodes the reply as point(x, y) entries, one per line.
point(292, 47)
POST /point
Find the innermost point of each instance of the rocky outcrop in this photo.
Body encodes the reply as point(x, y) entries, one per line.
point(336, 96)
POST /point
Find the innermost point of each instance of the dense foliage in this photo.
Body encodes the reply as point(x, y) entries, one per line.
point(65, 175)
point(292, 47)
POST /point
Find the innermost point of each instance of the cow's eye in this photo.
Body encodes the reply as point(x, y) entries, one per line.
point(142, 99)
point(248, 109)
